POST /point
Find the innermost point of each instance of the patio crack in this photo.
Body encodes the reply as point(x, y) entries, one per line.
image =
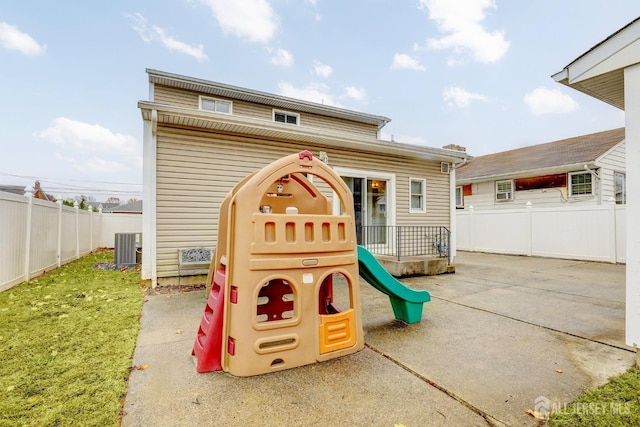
point(489, 419)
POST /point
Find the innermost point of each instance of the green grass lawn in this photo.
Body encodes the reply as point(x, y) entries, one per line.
point(66, 343)
point(616, 403)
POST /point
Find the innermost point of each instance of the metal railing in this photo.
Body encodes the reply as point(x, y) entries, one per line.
point(406, 240)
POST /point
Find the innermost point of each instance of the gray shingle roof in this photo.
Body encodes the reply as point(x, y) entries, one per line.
point(571, 151)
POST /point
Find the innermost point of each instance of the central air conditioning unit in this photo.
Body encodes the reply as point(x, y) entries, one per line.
point(126, 247)
point(444, 167)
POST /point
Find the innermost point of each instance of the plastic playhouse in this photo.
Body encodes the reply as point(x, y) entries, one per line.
point(284, 288)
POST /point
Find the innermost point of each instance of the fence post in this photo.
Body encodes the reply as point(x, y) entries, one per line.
point(100, 239)
point(613, 232)
point(471, 229)
point(59, 250)
point(77, 208)
point(90, 228)
point(529, 230)
point(28, 191)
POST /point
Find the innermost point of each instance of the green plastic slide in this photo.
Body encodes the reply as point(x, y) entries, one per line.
point(406, 302)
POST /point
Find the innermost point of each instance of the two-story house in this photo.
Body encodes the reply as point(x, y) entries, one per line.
point(203, 137)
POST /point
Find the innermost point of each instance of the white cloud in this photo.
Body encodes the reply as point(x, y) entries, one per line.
point(455, 97)
point(88, 137)
point(402, 61)
point(321, 93)
point(253, 20)
point(282, 58)
point(549, 101)
point(13, 39)
point(355, 93)
point(140, 25)
point(461, 21)
point(322, 70)
point(313, 92)
point(91, 148)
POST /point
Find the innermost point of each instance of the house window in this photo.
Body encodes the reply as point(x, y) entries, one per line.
point(580, 184)
point(459, 198)
point(417, 195)
point(504, 190)
point(286, 117)
point(620, 182)
point(217, 105)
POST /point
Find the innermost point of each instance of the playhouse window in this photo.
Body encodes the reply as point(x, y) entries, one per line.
point(276, 301)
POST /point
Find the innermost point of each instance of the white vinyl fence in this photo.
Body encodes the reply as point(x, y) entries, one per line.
point(38, 235)
point(593, 233)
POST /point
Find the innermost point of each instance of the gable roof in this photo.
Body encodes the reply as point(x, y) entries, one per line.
point(543, 158)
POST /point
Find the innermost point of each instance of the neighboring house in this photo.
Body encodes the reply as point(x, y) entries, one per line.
point(38, 192)
point(203, 137)
point(105, 206)
point(584, 170)
point(128, 208)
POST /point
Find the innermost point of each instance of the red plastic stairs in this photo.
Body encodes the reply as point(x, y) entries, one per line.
point(208, 345)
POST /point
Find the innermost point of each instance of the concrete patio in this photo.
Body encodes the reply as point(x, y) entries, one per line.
point(500, 336)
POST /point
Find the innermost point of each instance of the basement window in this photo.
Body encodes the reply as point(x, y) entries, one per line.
point(286, 117)
point(217, 105)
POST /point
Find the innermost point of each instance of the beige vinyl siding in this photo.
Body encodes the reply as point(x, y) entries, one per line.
point(173, 96)
point(196, 170)
point(188, 99)
point(613, 161)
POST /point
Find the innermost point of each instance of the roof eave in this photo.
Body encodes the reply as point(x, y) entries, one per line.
point(186, 117)
point(526, 173)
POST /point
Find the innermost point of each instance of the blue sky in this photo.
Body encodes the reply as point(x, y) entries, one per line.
point(469, 72)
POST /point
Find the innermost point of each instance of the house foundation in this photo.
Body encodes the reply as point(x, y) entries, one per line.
point(415, 266)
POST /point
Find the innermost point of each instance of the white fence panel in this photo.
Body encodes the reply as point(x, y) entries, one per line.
point(43, 250)
point(593, 233)
point(504, 231)
point(84, 239)
point(38, 235)
point(576, 233)
point(68, 242)
point(113, 223)
point(13, 238)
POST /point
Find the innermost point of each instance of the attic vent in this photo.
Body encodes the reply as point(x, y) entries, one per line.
point(444, 167)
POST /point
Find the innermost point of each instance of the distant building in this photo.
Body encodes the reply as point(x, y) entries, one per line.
point(38, 192)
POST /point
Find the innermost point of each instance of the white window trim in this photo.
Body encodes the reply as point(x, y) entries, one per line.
point(288, 113)
point(624, 189)
point(570, 186)
point(511, 193)
point(423, 207)
point(461, 205)
point(209, 98)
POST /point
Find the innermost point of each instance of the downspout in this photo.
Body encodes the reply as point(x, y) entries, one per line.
point(149, 244)
point(452, 203)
